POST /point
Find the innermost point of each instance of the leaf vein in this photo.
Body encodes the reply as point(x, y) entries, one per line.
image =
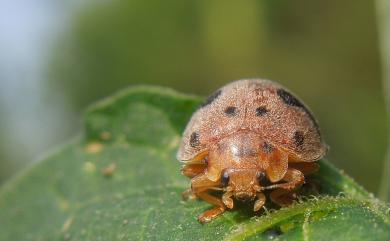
point(144, 226)
point(305, 226)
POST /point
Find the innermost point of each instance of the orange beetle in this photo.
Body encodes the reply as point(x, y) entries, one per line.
point(247, 137)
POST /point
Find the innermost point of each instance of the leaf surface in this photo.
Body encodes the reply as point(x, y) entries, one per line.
point(120, 181)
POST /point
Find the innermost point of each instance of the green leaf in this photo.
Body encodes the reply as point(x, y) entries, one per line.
point(120, 181)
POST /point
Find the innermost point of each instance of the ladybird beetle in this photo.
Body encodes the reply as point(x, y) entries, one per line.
point(249, 137)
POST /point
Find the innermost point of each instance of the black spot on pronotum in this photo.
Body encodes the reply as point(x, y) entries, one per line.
point(225, 179)
point(291, 100)
point(194, 139)
point(230, 111)
point(273, 233)
point(267, 148)
point(299, 138)
point(260, 111)
point(211, 98)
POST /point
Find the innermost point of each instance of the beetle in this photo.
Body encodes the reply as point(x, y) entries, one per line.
point(248, 137)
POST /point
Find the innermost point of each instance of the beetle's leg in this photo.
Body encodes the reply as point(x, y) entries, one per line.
point(188, 195)
point(278, 165)
point(284, 194)
point(200, 186)
point(211, 213)
point(311, 186)
point(283, 197)
point(294, 178)
point(306, 168)
point(191, 170)
point(227, 199)
point(259, 202)
point(201, 183)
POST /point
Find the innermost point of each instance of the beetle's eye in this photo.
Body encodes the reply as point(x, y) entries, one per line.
point(225, 179)
point(262, 179)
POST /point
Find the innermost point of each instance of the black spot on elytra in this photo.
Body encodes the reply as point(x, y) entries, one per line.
point(299, 138)
point(291, 100)
point(211, 98)
point(260, 111)
point(231, 111)
point(194, 139)
point(288, 98)
point(267, 148)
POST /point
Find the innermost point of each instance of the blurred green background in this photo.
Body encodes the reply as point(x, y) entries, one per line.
point(324, 51)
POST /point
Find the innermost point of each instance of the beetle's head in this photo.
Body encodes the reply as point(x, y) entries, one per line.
point(242, 183)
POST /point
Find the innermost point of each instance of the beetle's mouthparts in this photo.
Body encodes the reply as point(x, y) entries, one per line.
point(244, 196)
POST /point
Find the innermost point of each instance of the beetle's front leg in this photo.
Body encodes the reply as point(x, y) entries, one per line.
point(191, 170)
point(283, 193)
point(283, 197)
point(211, 213)
point(188, 195)
point(293, 177)
point(259, 202)
point(227, 199)
point(200, 186)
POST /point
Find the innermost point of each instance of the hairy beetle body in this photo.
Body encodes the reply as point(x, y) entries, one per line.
point(246, 132)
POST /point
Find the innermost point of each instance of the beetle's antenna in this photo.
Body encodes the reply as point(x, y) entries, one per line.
point(217, 188)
